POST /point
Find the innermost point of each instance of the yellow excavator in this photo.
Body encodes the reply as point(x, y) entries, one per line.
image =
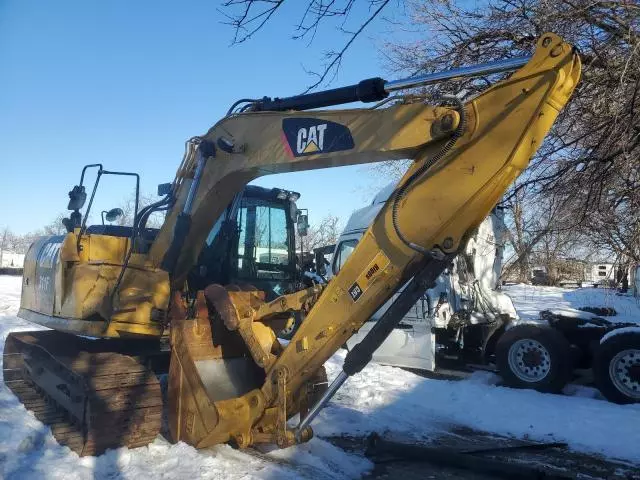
point(110, 296)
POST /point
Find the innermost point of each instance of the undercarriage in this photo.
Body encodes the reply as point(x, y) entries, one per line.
point(93, 394)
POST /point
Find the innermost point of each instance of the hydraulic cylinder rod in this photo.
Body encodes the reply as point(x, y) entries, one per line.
point(361, 354)
point(375, 89)
point(498, 66)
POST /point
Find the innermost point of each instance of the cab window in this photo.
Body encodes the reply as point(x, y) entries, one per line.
point(342, 253)
point(263, 240)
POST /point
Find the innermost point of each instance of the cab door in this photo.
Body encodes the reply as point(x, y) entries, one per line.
point(411, 344)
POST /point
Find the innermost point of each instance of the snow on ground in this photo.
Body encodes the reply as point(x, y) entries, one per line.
point(619, 331)
point(529, 300)
point(380, 399)
point(390, 399)
point(10, 259)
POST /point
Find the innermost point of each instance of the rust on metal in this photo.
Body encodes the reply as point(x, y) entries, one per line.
point(218, 298)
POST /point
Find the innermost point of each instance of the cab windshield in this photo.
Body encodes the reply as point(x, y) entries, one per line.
point(263, 242)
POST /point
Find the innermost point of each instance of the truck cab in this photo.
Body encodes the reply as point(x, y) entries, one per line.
point(465, 300)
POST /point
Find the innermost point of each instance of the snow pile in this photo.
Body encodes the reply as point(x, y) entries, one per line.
point(620, 331)
point(43, 458)
point(389, 399)
point(530, 300)
point(572, 313)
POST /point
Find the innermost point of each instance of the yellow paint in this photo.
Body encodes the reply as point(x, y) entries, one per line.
point(370, 274)
point(505, 126)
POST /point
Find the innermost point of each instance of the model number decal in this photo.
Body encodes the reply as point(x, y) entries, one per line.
point(375, 268)
point(368, 276)
point(44, 283)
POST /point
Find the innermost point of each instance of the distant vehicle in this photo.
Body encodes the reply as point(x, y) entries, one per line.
point(601, 274)
point(578, 273)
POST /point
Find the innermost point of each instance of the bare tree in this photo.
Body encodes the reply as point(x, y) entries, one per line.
point(55, 227)
point(615, 225)
point(596, 138)
point(589, 162)
point(520, 238)
point(6, 234)
point(326, 232)
point(247, 17)
point(128, 207)
point(13, 243)
point(542, 232)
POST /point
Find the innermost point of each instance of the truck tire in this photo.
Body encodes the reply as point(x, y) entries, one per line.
point(529, 356)
point(616, 368)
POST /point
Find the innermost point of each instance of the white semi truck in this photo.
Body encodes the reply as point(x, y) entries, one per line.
point(465, 322)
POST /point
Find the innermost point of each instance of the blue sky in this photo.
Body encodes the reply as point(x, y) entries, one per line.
point(126, 83)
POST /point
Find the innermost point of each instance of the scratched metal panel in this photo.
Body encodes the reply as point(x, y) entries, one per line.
point(45, 274)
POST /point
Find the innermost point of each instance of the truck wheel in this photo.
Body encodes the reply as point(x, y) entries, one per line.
point(535, 357)
point(616, 368)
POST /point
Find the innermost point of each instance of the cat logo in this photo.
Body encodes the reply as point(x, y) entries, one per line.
point(309, 136)
point(311, 140)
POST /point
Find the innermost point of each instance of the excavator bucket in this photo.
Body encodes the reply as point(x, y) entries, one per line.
point(216, 374)
point(210, 370)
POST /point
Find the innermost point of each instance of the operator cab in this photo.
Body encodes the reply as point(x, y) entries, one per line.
point(252, 243)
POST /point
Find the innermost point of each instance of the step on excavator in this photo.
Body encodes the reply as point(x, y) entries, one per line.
point(109, 296)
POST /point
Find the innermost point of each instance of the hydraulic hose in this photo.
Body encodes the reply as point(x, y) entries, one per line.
point(402, 191)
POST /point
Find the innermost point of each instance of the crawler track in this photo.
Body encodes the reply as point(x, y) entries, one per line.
point(94, 394)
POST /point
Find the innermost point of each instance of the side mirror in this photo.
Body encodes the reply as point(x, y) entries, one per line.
point(113, 214)
point(77, 197)
point(303, 225)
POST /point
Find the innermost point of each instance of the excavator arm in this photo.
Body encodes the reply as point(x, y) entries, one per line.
point(274, 142)
point(464, 159)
